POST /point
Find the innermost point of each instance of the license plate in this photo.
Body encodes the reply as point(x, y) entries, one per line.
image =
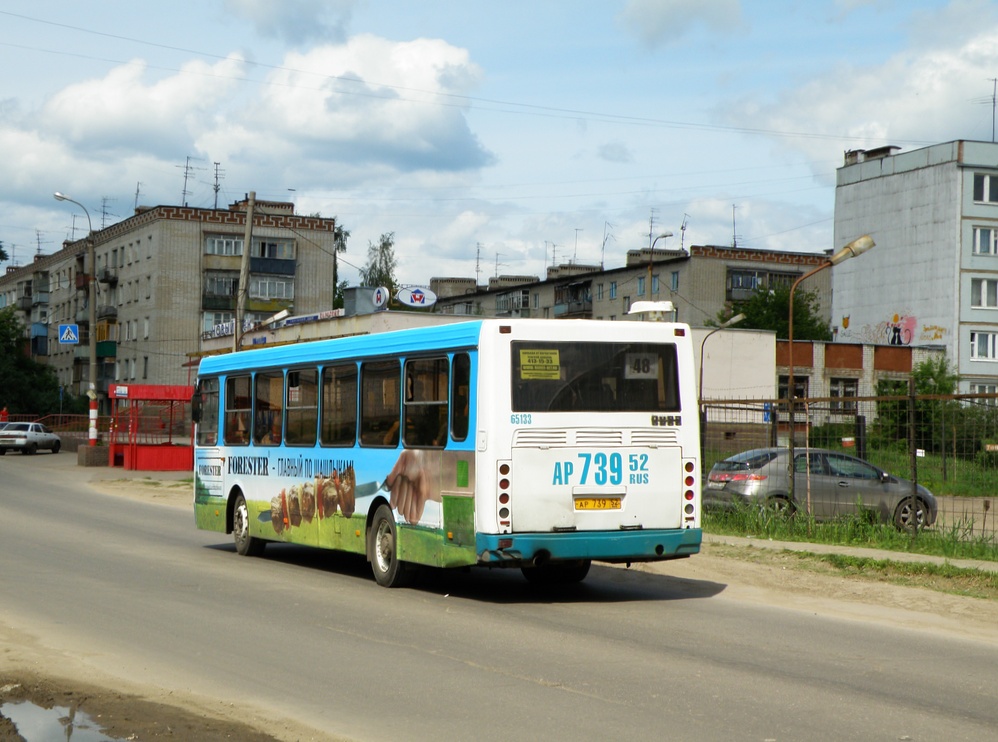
point(597, 503)
point(715, 485)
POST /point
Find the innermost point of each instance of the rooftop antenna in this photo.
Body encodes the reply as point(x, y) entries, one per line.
point(137, 187)
point(682, 232)
point(606, 236)
point(38, 239)
point(651, 227)
point(498, 255)
point(478, 263)
point(104, 213)
point(215, 186)
point(734, 232)
point(575, 257)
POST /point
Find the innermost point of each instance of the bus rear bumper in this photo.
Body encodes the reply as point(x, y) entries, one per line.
point(518, 549)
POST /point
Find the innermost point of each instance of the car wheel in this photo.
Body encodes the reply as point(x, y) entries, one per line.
point(382, 550)
point(30, 449)
point(558, 574)
point(3, 451)
point(246, 545)
point(907, 512)
point(56, 446)
point(780, 506)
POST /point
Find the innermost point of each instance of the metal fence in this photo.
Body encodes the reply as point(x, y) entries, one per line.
point(947, 443)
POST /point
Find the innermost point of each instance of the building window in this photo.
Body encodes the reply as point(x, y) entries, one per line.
point(985, 389)
point(985, 241)
point(985, 188)
point(984, 293)
point(627, 304)
point(800, 388)
point(216, 318)
point(843, 388)
point(221, 284)
point(675, 281)
point(984, 346)
point(223, 246)
point(641, 285)
point(273, 249)
point(599, 292)
point(271, 287)
point(613, 289)
point(654, 284)
point(537, 300)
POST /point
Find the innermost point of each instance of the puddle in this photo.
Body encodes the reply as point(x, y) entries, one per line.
point(37, 724)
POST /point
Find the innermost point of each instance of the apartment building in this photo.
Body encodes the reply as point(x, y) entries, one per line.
point(933, 277)
point(166, 276)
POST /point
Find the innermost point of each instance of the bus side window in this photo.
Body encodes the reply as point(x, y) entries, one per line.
point(460, 398)
point(207, 395)
point(339, 405)
point(426, 402)
point(380, 403)
point(238, 404)
point(269, 405)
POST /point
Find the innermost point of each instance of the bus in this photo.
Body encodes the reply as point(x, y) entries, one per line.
point(534, 444)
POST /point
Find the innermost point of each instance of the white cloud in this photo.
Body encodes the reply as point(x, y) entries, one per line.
point(295, 21)
point(662, 22)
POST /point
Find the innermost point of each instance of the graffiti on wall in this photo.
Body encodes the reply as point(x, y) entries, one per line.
point(899, 329)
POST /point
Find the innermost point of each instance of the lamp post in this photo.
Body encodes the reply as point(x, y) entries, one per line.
point(92, 305)
point(857, 247)
point(651, 256)
point(703, 411)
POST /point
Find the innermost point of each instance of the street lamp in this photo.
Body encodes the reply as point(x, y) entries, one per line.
point(703, 411)
point(651, 256)
point(855, 248)
point(92, 304)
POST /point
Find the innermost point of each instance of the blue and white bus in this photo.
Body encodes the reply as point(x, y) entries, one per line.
point(536, 444)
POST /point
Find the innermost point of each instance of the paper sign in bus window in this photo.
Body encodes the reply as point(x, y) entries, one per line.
point(641, 366)
point(538, 363)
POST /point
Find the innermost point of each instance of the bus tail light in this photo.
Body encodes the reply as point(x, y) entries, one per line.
point(503, 496)
point(691, 503)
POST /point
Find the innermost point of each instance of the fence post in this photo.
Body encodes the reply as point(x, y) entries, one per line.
point(913, 451)
point(860, 434)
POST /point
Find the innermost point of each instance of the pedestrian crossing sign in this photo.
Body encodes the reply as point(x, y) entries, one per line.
point(69, 334)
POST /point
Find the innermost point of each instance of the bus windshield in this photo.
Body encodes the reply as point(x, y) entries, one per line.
point(594, 377)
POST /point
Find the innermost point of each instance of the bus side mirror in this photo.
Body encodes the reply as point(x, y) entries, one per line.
point(196, 407)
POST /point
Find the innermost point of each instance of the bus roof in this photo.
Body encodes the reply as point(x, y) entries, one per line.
point(414, 339)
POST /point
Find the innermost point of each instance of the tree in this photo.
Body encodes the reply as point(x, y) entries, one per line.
point(3, 253)
point(340, 237)
point(29, 387)
point(381, 263)
point(769, 309)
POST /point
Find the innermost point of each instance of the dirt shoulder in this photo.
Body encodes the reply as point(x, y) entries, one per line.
point(751, 570)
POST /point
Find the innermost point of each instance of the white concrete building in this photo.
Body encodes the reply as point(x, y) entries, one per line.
point(932, 278)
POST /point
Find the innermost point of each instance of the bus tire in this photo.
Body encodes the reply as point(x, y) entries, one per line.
point(382, 550)
point(558, 574)
point(246, 545)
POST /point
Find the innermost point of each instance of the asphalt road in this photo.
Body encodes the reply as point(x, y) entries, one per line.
point(134, 591)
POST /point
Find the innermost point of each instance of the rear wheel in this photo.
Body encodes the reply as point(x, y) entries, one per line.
point(780, 506)
point(246, 545)
point(382, 549)
point(3, 451)
point(908, 512)
point(31, 448)
point(558, 574)
point(56, 446)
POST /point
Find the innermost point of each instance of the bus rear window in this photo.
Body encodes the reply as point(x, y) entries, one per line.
point(594, 377)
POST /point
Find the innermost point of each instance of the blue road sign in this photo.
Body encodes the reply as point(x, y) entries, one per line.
point(69, 334)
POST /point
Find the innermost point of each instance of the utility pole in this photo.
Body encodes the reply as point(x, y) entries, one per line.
point(244, 265)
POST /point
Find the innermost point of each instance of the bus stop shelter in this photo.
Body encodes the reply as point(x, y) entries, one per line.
point(151, 427)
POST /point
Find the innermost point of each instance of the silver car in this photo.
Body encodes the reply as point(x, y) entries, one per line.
point(28, 438)
point(828, 484)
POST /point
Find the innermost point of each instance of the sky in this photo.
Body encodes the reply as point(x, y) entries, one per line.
point(488, 137)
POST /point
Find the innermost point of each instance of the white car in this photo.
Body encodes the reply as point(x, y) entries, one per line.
point(28, 438)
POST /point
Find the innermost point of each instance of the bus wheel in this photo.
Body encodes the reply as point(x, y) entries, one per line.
point(382, 549)
point(246, 545)
point(558, 574)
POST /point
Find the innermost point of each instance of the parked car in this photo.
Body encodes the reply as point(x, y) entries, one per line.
point(28, 438)
point(838, 485)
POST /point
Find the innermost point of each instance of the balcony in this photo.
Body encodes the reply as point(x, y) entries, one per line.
point(578, 308)
point(107, 349)
point(82, 281)
point(272, 266)
point(106, 312)
point(218, 302)
point(24, 303)
point(108, 276)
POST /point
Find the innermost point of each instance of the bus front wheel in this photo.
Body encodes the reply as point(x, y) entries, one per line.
point(382, 549)
point(246, 545)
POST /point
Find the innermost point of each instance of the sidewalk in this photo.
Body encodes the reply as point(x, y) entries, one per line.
point(856, 551)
